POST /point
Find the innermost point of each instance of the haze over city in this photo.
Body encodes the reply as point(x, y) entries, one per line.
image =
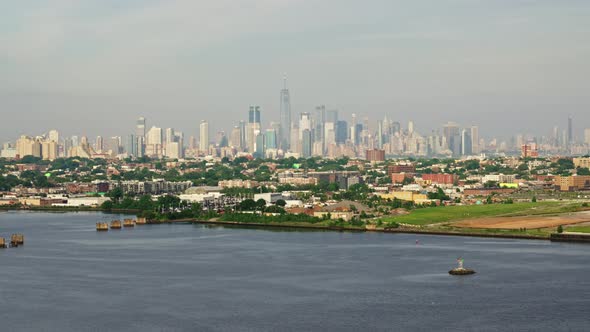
point(93, 67)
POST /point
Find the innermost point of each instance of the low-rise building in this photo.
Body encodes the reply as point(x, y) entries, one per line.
point(572, 183)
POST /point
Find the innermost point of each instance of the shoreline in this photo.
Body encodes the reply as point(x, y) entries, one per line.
point(401, 230)
point(307, 226)
point(68, 209)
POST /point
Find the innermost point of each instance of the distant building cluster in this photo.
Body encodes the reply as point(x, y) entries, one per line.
point(319, 132)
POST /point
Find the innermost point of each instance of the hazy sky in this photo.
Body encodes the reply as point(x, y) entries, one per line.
point(93, 67)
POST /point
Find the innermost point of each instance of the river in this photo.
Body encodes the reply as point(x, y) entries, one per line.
point(183, 277)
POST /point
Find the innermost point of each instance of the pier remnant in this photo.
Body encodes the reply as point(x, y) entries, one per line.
point(128, 223)
point(102, 226)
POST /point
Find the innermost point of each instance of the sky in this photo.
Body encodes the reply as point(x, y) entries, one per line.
point(92, 67)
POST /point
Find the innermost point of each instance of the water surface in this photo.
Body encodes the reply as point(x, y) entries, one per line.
point(182, 277)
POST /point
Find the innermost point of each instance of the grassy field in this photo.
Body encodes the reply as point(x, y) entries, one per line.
point(579, 229)
point(444, 214)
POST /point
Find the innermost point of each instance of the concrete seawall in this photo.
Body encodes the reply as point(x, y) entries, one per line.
point(570, 237)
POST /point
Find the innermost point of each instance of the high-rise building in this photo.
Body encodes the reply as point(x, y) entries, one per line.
point(452, 135)
point(341, 132)
point(131, 145)
point(253, 127)
point(259, 148)
point(204, 136)
point(140, 129)
point(396, 127)
point(49, 150)
point(53, 136)
point(28, 146)
point(221, 139)
point(466, 148)
point(235, 137)
point(67, 146)
point(153, 143)
point(243, 130)
point(254, 114)
point(99, 144)
point(332, 116)
point(475, 139)
point(169, 137)
point(353, 130)
point(285, 118)
point(318, 123)
point(305, 122)
point(570, 131)
point(306, 143)
point(587, 136)
point(114, 145)
point(270, 139)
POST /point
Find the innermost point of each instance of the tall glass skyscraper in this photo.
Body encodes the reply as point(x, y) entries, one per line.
point(285, 117)
point(140, 127)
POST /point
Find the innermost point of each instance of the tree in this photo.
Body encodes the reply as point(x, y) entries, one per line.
point(534, 200)
point(247, 205)
point(260, 204)
point(281, 203)
point(559, 229)
point(108, 205)
point(116, 194)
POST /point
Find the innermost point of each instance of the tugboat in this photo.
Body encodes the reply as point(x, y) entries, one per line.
point(460, 270)
point(102, 226)
point(116, 224)
point(128, 223)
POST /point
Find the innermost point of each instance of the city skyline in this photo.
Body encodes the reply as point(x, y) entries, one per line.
point(94, 67)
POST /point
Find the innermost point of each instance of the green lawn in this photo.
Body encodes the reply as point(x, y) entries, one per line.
point(579, 229)
point(441, 214)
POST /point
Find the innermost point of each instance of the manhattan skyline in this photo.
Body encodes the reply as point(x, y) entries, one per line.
point(92, 67)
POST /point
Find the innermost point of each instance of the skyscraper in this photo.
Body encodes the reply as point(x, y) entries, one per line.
point(570, 131)
point(475, 139)
point(253, 127)
point(204, 136)
point(341, 132)
point(306, 143)
point(452, 135)
point(235, 137)
point(131, 145)
point(53, 136)
point(270, 138)
point(99, 144)
point(259, 149)
point(318, 123)
point(140, 127)
point(243, 127)
point(466, 148)
point(285, 118)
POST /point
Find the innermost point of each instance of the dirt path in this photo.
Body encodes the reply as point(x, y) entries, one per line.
point(531, 222)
